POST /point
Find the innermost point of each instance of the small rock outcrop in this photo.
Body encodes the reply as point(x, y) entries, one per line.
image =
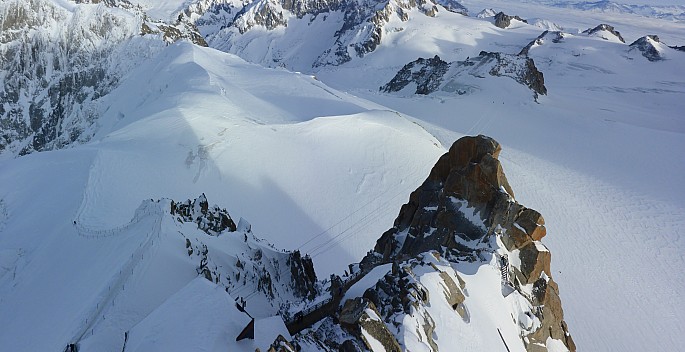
point(649, 47)
point(554, 36)
point(503, 20)
point(212, 221)
point(604, 28)
point(302, 272)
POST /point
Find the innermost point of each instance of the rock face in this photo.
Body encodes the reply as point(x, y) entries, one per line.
point(260, 268)
point(465, 202)
point(427, 74)
point(503, 20)
point(432, 75)
point(604, 28)
point(302, 272)
point(649, 47)
point(212, 221)
point(361, 318)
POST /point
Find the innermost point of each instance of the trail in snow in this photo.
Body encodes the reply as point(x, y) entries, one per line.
point(118, 282)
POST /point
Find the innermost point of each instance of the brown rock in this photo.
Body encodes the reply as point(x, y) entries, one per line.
point(533, 223)
point(535, 259)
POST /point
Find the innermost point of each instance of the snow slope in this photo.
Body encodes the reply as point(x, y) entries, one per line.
point(213, 124)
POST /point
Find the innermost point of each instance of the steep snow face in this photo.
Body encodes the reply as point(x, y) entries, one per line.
point(57, 60)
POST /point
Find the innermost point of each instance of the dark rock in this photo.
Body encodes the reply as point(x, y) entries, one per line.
point(503, 20)
point(555, 36)
point(646, 45)
point(358, 314)
point(304, 277)
point(679, 48)
point(607, 28)
point(469, 175)
point(212, 221)
point(427, 74)
point(350, 346)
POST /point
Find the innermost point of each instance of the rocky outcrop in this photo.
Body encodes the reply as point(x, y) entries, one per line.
point(604, 28)
point(503, 20)
point(427, 74)
point(522, 70)
point(212, 221)
point(260, 267)
point(466, 202)
point(649, 47)
point(172, 32)
point(281, 344)
point(486, 13)
point(302, 272)
point(431, 75)
point(554, 36)
point(360, 317)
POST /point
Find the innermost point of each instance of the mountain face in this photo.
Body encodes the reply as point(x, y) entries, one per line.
point(57, 63)
point(345, 28)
